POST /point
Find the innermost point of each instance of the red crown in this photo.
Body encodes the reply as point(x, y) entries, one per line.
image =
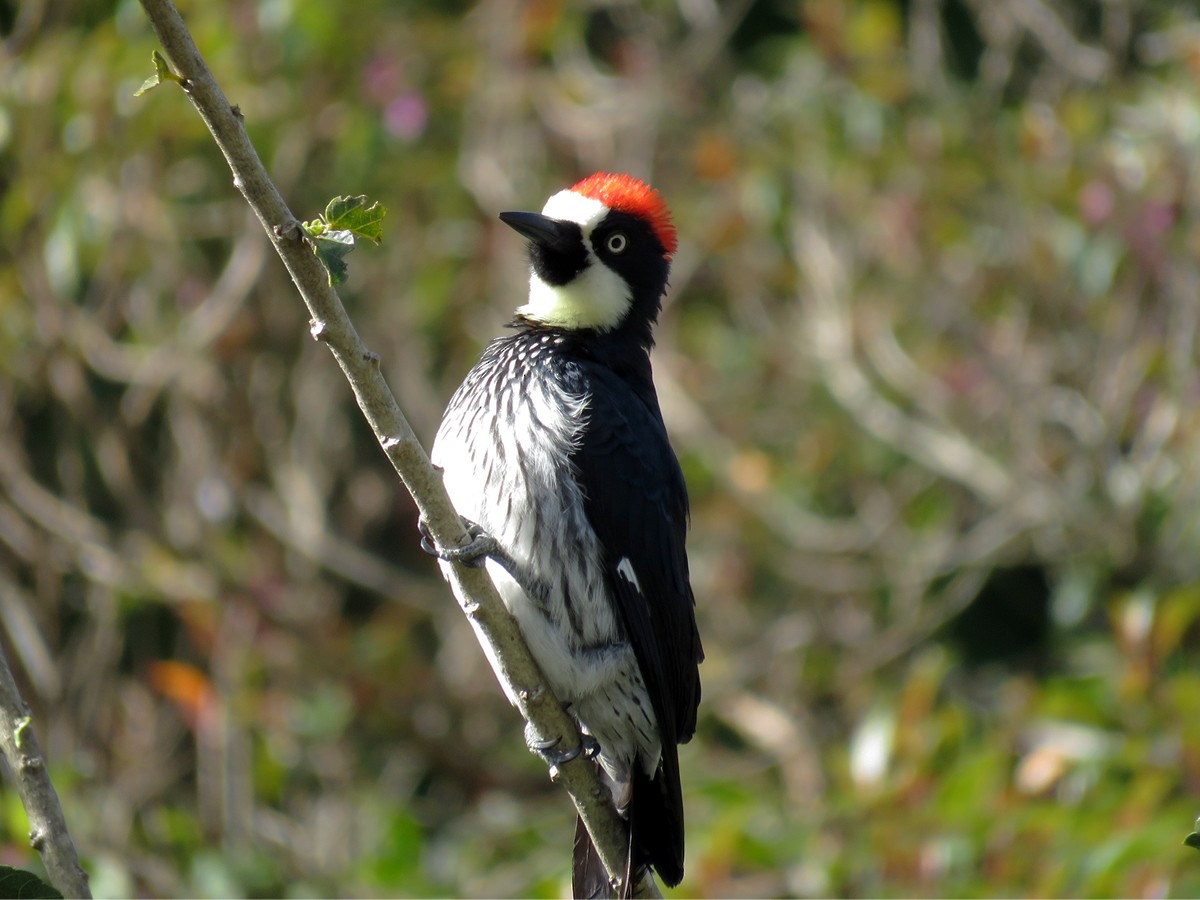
point(628, 195)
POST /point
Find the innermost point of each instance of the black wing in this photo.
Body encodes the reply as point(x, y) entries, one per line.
point(636, 501)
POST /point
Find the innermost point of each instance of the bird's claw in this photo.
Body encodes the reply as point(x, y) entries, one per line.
point(473, 554)
point(591, 746)
point(551, 753)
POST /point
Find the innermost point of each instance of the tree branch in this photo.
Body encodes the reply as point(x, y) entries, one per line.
point(941, 449)
point(548, 724)
point(48, 833)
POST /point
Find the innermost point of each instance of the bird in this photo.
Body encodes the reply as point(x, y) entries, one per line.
point(555, 450)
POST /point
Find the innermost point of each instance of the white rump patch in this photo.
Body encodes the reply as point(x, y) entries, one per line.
point(625, 570)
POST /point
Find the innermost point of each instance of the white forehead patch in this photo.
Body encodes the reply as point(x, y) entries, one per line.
point(568, 206)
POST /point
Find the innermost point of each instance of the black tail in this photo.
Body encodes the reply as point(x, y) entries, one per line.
point(656, 819)
point(589, 878)
point(655, 815)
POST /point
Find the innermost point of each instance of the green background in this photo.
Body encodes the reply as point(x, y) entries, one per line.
point(929, 361)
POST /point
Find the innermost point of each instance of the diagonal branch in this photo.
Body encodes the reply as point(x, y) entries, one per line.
point(548, 724)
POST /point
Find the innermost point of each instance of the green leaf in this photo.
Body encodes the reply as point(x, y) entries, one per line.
point(333, 234)
point(1193, 839)
point(331, 248)
point(22, 728)
point(162, 72)
point(352, 214)
point(25, 885)
point(316, 227)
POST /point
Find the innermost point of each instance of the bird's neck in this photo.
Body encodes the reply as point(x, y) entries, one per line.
point(625, 350)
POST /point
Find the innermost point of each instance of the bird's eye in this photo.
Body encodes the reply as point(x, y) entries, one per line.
point(617, 242)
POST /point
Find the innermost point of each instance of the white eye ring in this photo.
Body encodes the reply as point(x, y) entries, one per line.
point(617, 242)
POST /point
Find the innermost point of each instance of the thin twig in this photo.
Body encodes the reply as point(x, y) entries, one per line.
point(940, 448)
point(548, 723)
point(48, 833)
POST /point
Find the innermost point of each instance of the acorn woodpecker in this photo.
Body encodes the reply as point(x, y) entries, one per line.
point(555, 447)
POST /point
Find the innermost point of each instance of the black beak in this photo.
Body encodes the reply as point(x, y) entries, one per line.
point(549, 233)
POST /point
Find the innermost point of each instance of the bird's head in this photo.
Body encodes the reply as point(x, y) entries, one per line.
point(600, 253)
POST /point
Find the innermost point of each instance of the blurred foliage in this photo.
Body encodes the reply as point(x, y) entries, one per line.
point(930, 362)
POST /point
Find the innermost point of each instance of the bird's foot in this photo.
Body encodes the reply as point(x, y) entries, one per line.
point(473, 554)
point(552, 752)
point(556, 756)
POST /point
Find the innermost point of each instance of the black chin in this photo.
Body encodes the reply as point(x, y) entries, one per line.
point(556, 248)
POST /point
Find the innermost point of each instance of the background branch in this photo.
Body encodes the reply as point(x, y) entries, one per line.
point(330, 324)
point(47, 828)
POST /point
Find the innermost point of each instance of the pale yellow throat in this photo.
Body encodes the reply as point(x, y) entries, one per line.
point(598, 298)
